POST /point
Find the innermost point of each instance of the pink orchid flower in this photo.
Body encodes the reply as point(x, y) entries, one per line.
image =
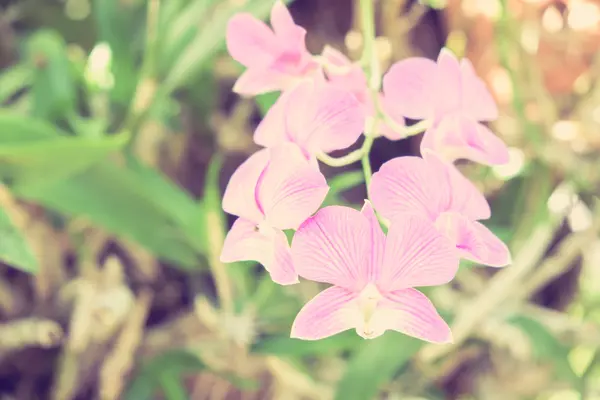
point(373, 275)
point(315, 115)
point(436, 190)
point(275, 59)
point(454, 99)
point(273, 190)
point(343, 73)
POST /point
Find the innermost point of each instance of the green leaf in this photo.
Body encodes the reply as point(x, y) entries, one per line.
point(131, 204)
point(163, 372)
point(35, 152)
point(210, 40)
point(121, 25)
point(341, 183)
point(374, 364)
point(547, 348)
point(14, 250)
point(265, 101)
point(179, 28)
point(14, 79)
point(286, 346)
point(346, 181)
point(53, 88)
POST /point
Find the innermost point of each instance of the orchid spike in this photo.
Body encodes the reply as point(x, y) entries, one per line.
point(454, 100)
point(436, 190)
point(273, 190)
point(345, 74)
point(373, 276)
point(275, 59)
point(316, 116)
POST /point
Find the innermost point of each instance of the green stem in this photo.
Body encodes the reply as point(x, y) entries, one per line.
point(366, 163)
point(367, 15)
point(146, 89)
point(358, 154)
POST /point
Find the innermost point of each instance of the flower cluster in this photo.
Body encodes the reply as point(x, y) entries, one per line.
point(430, 211)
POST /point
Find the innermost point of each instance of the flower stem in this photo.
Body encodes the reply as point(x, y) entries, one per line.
point(367, 16)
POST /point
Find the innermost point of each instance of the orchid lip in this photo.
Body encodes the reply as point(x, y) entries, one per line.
point(367, 303)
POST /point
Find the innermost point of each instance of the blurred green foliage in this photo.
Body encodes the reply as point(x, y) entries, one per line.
point(69, 121)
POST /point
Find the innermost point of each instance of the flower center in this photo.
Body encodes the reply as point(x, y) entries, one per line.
point(264, 229)
point(367, 303)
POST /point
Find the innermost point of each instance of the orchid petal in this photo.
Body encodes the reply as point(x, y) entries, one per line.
point(291, 189)
point(330, 247)
point(335, 57)
point(271, 130)
point(285, 29)
point(240, 195)
point(377, 240)
point(250, 41)
point(448, 84)
point(410, 312)
point(455, 137)
point(478, 102)
point(245, 243)
point(408, 184)
point(330, 312)
point(408, 85)
point(323, 117)
point(483, 145)
point(474, 240)
point(416, 254)
point(464, 198)
point(256, 81)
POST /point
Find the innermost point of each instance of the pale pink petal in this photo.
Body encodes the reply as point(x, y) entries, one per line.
point(409, 184)
point(447, 84)
point(245, 243)
point(464, 197)
point(345, 74)
point(416, 254)
point(323, 117)
point(331, 247)
point(271, 130)
point(282, 269)
point(409, 86)
point(410, 312)
point(483, 145)
point(288, 33)
point(377, 240)
point(291, 189)
point(455, 137)
point(250, 41)
point(335, 57)
point(330, 312)
point(255, 81)
point(478, 102)
point(240, 195)
point(474, 241)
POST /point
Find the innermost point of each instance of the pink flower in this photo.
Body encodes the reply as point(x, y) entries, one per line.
point(436, 190)
point(345, 74)
point(315, 115)
point(451, 96)
point(275, 59)
point(373, 275)
point(273, 190)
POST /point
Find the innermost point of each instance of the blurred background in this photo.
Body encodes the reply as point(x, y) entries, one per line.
point(118, 134)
